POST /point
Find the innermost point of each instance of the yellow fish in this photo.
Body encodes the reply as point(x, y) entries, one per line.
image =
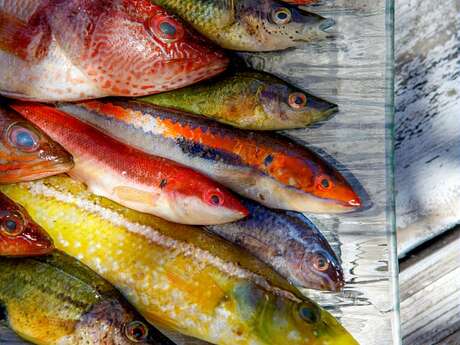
point(177, 276)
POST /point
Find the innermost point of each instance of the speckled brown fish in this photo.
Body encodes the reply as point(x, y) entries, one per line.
point(248, 100)
point(251, 25)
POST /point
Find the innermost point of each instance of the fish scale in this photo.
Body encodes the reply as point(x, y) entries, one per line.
point(189, 281)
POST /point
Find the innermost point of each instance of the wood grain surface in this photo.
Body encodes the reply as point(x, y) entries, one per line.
point(427, 119)
point(430, 293)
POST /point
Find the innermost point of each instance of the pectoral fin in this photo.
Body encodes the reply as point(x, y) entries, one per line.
point(28, 41)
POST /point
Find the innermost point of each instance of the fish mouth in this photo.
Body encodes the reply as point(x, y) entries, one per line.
point(222, 216)
point(304, 202)
point(327, 24)
point(197, 70)
point(198, 212)
point(316, 27)
point(37, 171)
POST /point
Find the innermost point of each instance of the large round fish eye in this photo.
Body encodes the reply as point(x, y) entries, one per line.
point(297, 100)
point(136, 331)
point(320, 263)
point(12, 224)
point(281, 15)
point(324, 182)
point(23, 138)
point(214, 197)
point(308, 313)
point(166, 29)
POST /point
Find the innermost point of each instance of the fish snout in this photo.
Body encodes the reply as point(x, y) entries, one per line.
point(326, 24)
point(316, 26)
point(40, 242)
point(55, 154)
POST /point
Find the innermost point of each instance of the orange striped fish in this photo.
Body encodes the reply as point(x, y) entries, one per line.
point(264, 167)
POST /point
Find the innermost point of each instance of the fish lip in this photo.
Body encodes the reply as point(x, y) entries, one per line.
point(41, 170)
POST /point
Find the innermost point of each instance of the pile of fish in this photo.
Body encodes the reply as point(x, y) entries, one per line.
point(173, 207)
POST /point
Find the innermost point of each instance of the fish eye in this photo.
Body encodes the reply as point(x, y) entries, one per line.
point(324, 182)
point(23, 138)
point(136, 331)
point(166, 29)
point(12, 225)
point(320, 263)
point(308, 313)
point(214, 198)
point(297, 100)
point(281, 16)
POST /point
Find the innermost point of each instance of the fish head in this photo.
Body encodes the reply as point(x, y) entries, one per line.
point(114, 322)
point(205, 202)
point(26, 153)
point(312, 261)
point(280, 320)
point(293, 106)
point(133, 47)
point(331, 191)
point(318, 268)
point(280, 25)
point(19, 234)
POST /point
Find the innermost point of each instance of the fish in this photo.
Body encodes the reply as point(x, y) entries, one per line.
point(251, 25)
point(248, 100)
point(57, 300)
point(132, 177)
point(178, 277)
point(19, 234)
point(26, 153)
point(265, 167)
point(289, 242)
point(67, 50)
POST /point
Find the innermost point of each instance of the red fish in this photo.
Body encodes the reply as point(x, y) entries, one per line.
point(19, 234)
point(26, 153)
point(79, 49)
point(268, 168)
point(133, 178)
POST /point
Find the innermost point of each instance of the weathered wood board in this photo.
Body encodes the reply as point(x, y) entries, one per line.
point(427, 102)
point(354, 71)
point(430, 294)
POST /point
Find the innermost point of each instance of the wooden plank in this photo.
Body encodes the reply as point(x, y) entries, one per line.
point(453, 339)
point(430, 293)
point(427, 106)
